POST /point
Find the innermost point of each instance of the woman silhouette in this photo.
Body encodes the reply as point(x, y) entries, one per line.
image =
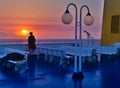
point(31, 43)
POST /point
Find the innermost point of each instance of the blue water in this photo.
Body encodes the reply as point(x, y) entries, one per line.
point(46, 41)
point(22, 43)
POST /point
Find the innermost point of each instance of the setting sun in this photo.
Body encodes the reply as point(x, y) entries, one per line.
point(24, 31)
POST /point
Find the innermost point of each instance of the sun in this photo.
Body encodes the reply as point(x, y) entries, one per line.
point(24, 31)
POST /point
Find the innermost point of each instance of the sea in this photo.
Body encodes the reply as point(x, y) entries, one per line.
point(22, 43)
point(46, 41)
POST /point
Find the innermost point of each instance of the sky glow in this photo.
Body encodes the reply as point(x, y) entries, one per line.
point(43, 18)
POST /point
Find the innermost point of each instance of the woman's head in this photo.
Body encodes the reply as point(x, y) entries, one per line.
point(31, 33)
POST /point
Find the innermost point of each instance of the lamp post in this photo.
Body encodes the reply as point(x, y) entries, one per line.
point(88, 20)
point(89, 37)
point(67, 19)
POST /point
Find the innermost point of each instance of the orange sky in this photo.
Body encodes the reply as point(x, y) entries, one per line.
point(43, 18)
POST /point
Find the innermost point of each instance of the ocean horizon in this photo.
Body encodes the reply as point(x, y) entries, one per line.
point(21, 44)
point(46, 41)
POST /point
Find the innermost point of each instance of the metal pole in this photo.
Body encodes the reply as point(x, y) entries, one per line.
point(80, 38)
point(88, 37)
point(75, 56)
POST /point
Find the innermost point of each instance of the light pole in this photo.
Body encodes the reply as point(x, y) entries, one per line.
point(67, 19)
point(88, 20)
point(89, 37)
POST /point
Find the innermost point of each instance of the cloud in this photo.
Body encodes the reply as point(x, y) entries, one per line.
point(5, 35)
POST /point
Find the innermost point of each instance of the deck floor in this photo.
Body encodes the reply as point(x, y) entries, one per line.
point(46, 75)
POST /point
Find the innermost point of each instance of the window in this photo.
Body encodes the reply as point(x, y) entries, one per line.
point(115, 23)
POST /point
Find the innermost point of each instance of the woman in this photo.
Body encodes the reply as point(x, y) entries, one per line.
point(31, 43)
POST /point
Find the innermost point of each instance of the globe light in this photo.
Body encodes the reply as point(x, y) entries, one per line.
point(88, 20)
point(67, 18)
